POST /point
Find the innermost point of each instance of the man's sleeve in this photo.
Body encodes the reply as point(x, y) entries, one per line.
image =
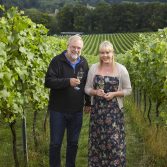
point(52, 78)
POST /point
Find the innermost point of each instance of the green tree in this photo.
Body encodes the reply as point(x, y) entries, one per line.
point(42, 18)
point(101, 17)
point(80, 13)
point(65, 19)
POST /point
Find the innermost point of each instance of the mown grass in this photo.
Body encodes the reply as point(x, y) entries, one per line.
point(153, 137)
point(144, 147)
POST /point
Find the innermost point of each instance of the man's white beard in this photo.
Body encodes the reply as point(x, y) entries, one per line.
point(74, 57)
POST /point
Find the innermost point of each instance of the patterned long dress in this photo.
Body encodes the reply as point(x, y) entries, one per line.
point(107, 136)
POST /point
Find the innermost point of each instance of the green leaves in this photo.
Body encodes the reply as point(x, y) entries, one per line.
point(147, 64)
point(4, 93)
point(25, 52)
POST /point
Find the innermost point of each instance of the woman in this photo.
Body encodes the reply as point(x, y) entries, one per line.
point(108, 82)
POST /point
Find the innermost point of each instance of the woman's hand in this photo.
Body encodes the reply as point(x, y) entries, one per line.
point(100, 92)
point(109, 95)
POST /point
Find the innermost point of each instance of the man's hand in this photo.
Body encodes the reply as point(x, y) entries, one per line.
point(74, 82)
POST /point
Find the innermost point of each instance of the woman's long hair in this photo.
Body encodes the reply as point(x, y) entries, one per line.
point(107, 45)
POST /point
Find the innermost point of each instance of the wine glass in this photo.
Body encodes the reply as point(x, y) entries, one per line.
point(80, 74)
point(101, 83)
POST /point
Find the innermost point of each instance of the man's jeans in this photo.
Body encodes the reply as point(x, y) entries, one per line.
point(72, 122)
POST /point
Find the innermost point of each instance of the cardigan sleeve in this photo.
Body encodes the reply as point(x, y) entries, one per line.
point(126, 84)
point(90, 77)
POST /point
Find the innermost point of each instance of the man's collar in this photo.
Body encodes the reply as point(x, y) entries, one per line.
point(69, 60)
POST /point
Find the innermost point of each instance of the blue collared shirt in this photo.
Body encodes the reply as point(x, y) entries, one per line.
point(73, 65)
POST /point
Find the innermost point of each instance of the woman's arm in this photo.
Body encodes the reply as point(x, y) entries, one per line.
point(89, 82)
point(126, 84)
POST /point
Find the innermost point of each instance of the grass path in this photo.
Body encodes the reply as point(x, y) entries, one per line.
point(135, 149)
point(137, 153)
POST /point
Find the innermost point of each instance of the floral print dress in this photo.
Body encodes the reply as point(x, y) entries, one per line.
point(107, 136)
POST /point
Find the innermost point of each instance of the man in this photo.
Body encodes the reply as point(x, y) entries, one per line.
point(66, 100)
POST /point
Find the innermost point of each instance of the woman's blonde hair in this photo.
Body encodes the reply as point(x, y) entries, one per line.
point(107, 45)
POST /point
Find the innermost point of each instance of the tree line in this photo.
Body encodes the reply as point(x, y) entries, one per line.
point(104, 18)
point(115, 18)
point(51, 5)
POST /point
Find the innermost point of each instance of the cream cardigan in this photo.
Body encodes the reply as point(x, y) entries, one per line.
point(124, 81)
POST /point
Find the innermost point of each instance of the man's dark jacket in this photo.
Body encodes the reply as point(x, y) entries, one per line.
point(63, 97)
